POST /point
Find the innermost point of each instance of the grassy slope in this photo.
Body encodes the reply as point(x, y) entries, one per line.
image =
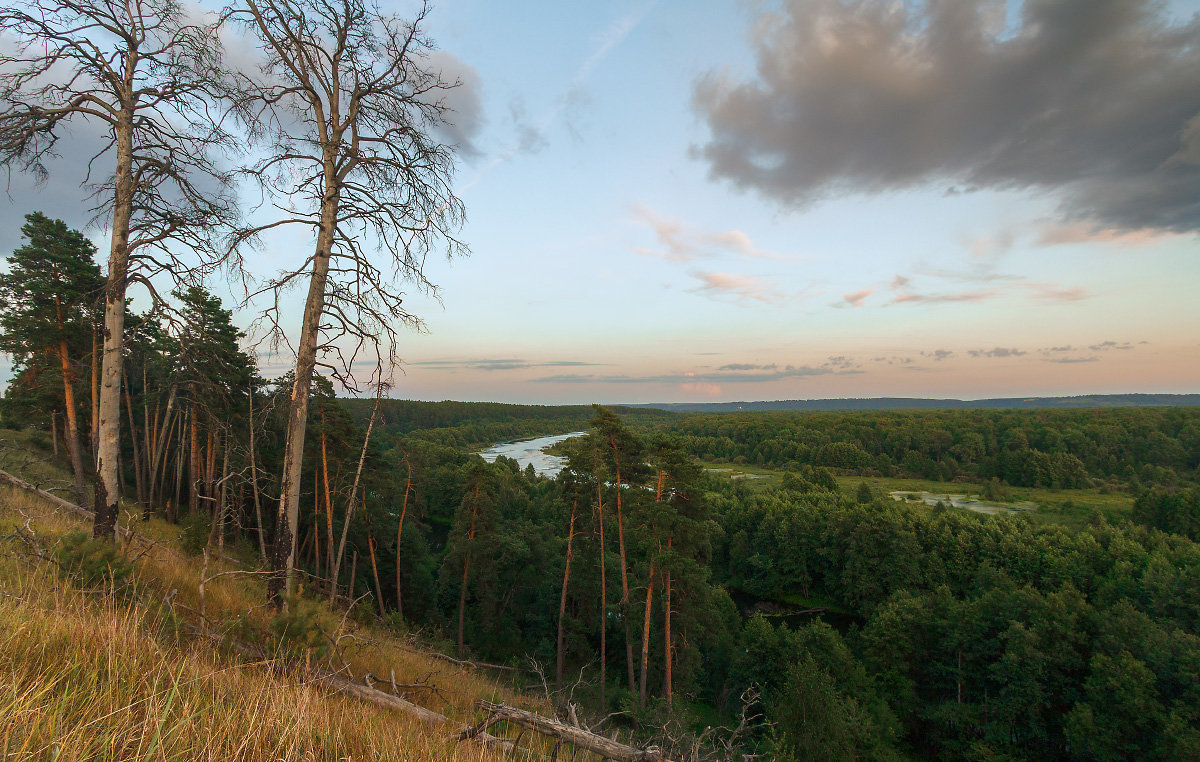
point(86, 674)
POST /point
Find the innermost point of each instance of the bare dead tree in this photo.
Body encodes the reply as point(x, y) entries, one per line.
point(347, 101)
point(145, 74)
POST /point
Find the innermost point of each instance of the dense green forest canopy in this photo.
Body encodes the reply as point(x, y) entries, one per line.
point(1050, 448)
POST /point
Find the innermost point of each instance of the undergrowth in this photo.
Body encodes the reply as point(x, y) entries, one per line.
point(100, 660)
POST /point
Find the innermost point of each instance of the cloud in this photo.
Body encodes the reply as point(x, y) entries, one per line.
point(741, 286)
point(492, 364)
point(1071, 360)
point(997, 352)
point(756, 374)
point(857, 298)
point(1106, 346)
point(1094, 101)
point(682, 244)
point(978, 295)
point(939, 354)
point(464, 118)
point(842, 363)
point(1051, 293)
point(747, 366)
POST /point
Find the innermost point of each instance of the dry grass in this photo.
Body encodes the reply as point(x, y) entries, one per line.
point(93, 674)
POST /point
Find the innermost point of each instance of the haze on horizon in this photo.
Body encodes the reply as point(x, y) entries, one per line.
point(799, 199)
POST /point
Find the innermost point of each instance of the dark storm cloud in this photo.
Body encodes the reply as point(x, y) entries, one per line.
point(1096, 101)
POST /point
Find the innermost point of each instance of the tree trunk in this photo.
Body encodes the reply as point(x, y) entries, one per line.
point(95, 388)
point(139, 479)
point(646, 635)
point(258, 518)
point(283, 553)
point(109, 423)
point(605, 748)
point(316, 533)
point(400, 535)
point(562, 603)
point(624, 578)
point(462, 592)
point(54, 436)
point(603, 592)
point(362, 456)
point(667, 649)
point(73, 444)
point(194, 475)
point(375, 573)
point(162, 436)
point(329, 540)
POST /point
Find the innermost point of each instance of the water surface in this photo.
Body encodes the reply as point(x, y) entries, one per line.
point(528, 451)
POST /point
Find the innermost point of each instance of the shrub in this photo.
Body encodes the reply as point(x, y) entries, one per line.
point(92, 562)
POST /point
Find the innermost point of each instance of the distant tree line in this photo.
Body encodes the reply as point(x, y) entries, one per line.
point(1032, 448)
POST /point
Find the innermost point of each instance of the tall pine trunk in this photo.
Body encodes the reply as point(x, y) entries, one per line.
point(375, 573)
point(562, 603)
point(462, 592)
point(603, 592)
point(646, 635)
point(72, 433)
point(400, 536)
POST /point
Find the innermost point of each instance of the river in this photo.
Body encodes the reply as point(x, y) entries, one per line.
point(527, 451)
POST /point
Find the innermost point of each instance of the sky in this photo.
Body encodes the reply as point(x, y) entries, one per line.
point(716, 201)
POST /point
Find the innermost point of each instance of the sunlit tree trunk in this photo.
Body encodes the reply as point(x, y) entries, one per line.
point(375, 573)
point(72, 433)
point(646, 635)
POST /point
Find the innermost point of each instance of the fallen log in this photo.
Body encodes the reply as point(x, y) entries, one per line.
point(578, 737)
point(419, 713)
point(472, 664)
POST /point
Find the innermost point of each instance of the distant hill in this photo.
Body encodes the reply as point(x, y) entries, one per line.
point(915, 403)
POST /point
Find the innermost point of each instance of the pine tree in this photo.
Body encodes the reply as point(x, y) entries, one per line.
point(48, 301)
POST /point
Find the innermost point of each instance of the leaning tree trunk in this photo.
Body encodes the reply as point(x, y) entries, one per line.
point(562, 602)
point(109, 424)
point(337, 561)
point(283, 551)
point(400, 536)
point(646, 635)
point(73, 444)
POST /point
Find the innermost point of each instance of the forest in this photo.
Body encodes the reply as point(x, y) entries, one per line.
point(645, 585)
point(642, 586)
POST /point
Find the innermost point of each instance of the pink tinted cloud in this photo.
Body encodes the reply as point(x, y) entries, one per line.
point(680, 243)
point(742, 286)
point(857, 298)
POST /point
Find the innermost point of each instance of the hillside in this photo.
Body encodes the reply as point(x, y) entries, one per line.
point(147, 651)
